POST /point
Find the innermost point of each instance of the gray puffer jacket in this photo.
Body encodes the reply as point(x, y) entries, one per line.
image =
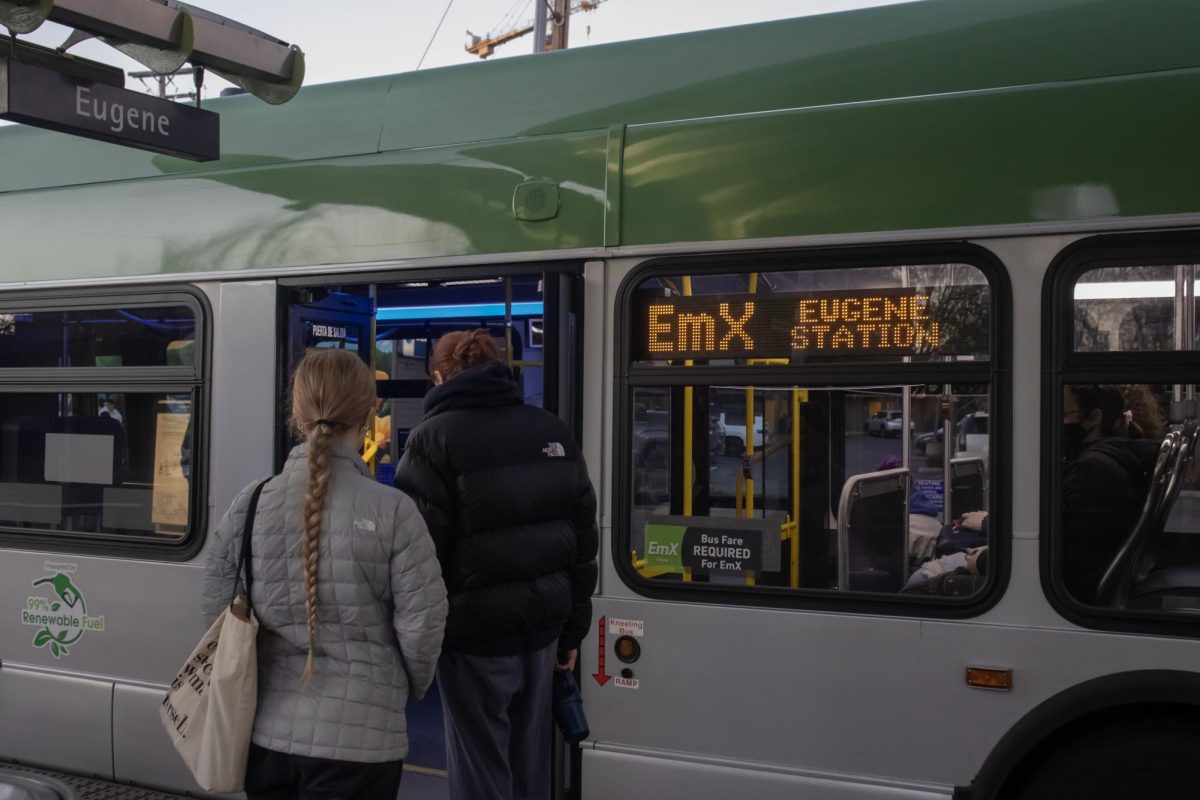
point(381, 606)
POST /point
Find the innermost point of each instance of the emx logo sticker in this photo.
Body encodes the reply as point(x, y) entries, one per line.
point(59, 611)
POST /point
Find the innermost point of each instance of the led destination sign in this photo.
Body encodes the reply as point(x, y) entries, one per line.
point(791, 325)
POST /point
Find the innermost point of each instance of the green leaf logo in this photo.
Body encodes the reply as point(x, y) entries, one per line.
point(60, 613)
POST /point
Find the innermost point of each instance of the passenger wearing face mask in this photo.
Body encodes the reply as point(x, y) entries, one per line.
point(1106, 475)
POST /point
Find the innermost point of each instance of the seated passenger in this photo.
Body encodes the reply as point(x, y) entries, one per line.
point(1106, 476)
point(963, 533)
point(954, 551)
point(957, 575)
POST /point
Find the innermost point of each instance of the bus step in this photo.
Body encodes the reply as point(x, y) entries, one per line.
point(89, 788)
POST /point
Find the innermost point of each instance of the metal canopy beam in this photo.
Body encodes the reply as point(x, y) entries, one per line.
point(219, 43)
point(49, 58)
point(139, 21)
point(226, 46)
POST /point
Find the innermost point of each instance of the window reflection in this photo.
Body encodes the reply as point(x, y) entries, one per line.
point(1132, 308)
point(96, 463)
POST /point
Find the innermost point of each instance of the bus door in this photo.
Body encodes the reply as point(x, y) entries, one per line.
point(394, 324)
point(562, 334)
point(534, 321)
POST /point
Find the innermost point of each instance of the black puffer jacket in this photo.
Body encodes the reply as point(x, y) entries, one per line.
point(505, 493)
point(1104, 488)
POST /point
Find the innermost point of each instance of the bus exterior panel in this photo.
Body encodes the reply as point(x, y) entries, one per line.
point(1013, 129)
point(1008, 155)
point(396, 205)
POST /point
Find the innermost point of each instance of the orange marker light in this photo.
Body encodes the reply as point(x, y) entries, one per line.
point(627, 649)
point(989, 678)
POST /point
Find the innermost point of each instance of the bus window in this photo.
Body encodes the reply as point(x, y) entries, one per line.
point(1127, 508)
point(110, 337)
point(1132, 308)
point(96, 463)
point(115, 460)
point(757, 478)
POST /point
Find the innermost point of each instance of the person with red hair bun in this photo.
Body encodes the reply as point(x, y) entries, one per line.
point(505, 492)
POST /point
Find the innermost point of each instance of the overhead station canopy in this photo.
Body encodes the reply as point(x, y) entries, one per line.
point(165, 34)
point(51, 89)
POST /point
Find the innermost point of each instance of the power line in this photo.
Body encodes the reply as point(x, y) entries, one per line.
point(510, 19)
point(435, 33)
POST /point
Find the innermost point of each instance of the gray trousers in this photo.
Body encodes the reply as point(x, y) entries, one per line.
point(498, 724)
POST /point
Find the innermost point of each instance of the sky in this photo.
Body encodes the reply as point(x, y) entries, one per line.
point(362, 38)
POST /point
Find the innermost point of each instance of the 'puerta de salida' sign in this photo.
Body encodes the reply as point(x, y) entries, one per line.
point(48, 99)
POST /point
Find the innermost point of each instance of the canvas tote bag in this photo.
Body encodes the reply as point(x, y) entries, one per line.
point(209, 710)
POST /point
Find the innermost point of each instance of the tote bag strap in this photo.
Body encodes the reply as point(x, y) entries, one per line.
point(244, 566)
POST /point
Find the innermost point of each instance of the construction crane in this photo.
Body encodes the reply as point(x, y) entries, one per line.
point(484, 46)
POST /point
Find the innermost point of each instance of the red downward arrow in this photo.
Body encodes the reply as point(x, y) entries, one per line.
point(600, 677)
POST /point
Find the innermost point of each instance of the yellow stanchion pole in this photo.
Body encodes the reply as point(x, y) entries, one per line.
point(748, 511)
point(795, 543)
point(689, 477)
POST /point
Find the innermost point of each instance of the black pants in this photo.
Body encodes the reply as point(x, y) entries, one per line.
point(499, 724)
point(279, 776)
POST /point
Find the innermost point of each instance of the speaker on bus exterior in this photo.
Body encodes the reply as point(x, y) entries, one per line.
point(534, 201)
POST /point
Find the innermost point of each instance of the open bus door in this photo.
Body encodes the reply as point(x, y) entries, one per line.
point(563, 332)
point(535, 319)
point(563, 377)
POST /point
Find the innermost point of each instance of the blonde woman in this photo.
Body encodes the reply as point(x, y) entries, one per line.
point(349, 598)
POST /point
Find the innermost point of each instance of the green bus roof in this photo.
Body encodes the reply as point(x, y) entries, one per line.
point(928, 114)
point(908, 50)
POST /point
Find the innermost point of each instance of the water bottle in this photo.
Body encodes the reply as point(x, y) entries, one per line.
point(568, 707)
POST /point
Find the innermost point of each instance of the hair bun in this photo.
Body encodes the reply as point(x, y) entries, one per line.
point(462, 350)
point(478, 347)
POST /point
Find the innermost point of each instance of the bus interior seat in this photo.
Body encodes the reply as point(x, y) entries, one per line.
point(83, 503)
point(34, 504)
point(967, 485)
point(47, 502)
point(23, 449)
point(127, 509)
point(1134, 577)
point(873, 532)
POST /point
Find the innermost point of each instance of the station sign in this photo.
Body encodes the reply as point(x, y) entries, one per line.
point(48, 99)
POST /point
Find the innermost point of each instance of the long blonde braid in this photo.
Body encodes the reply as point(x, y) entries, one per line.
point(319, 472)
point(332, 391)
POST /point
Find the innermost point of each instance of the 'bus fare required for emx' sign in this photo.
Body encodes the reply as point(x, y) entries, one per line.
point(707, 544)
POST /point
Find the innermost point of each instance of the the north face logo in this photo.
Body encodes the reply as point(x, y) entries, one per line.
point(554, 450)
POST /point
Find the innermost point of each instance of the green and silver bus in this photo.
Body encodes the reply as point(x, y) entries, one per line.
point(816, 296)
